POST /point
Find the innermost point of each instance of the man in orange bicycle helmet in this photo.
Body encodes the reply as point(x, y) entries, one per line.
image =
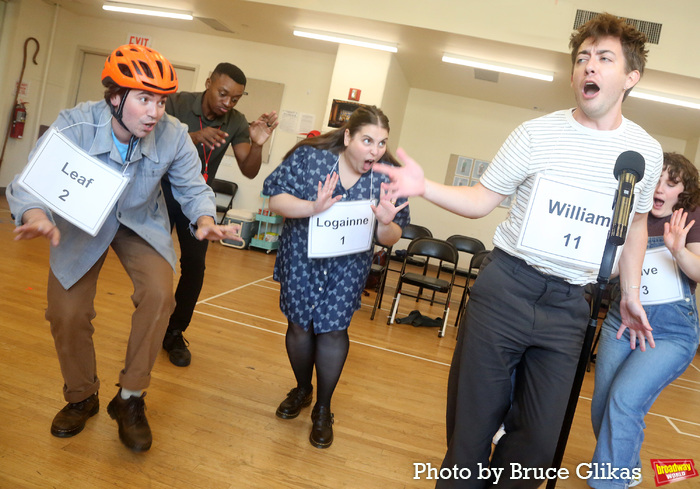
point(130, 133)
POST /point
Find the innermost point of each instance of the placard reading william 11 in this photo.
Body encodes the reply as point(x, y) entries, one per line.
point(72, 183)
point(567, 222)
point(343, 229)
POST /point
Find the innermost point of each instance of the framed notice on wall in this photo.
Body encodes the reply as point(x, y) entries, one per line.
point(465, 171)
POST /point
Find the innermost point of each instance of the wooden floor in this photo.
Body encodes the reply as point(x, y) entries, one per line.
point(213, 422)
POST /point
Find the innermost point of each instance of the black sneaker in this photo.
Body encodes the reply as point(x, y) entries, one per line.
point(176, 346)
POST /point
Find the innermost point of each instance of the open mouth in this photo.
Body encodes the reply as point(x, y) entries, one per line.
point(590, 89)
point(658, 203)
point(368, 164)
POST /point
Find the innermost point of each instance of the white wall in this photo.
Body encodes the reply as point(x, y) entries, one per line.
point(394, 101)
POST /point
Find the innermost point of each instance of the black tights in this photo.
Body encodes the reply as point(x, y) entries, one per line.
point(327, 351)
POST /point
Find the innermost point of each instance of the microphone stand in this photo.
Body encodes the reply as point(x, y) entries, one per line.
point(603, 278)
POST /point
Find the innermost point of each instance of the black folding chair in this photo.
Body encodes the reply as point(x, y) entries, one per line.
point(474, 265)
point(470, 246)
point(224, 192)
point(380, 270)
point(424, 249)
point(410, 232)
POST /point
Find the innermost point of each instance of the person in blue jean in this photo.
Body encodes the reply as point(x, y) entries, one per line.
point(328, 182)
point(628, 380)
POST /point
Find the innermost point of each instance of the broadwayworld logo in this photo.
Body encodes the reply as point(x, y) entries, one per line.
point(672, 470)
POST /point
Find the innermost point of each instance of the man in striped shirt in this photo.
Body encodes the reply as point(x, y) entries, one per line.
point(527, 312)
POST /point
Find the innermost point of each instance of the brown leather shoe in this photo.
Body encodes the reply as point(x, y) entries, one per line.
point(72, 418)
point(130, 415)
point(296, 399)
point(322, 431)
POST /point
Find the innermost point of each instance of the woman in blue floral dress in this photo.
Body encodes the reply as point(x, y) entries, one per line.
point(335, 207)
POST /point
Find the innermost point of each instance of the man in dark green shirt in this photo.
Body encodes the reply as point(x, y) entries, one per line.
point(213, 125)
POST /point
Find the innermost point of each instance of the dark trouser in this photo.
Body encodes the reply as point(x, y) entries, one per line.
point(71, 312)
point(517, 319)
point(193, 255)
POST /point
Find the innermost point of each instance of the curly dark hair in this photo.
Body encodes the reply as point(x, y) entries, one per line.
point(334, 141)
point(604, 25)
point(681, 170)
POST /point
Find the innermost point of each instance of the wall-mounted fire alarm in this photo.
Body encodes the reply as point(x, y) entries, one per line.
point(354, 94)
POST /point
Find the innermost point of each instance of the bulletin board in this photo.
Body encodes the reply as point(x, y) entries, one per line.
point(263, 96)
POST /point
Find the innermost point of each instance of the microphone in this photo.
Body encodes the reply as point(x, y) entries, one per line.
point(629, 169)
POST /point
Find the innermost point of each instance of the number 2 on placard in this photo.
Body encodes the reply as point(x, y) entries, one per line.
point(64, 195)
point(568, 238)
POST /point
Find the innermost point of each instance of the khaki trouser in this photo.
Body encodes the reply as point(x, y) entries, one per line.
point(71, 311)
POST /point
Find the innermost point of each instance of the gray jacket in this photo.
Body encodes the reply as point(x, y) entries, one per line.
point(168, 149)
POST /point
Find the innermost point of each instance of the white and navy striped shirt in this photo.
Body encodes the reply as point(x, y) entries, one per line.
point(556, 145)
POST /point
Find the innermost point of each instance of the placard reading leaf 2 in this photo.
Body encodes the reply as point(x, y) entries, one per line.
point(73, 184)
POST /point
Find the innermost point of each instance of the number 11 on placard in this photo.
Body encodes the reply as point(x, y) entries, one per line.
point(577, 239)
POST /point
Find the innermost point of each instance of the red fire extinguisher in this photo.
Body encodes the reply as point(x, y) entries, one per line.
point(19, 117)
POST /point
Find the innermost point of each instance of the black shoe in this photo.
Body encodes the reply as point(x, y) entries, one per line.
point(130, 415)
point(176, 346)
point(296, 399)
point(322, 431)
point(72, 418)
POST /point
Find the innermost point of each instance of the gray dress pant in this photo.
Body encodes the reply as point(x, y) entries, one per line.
point(521, 320)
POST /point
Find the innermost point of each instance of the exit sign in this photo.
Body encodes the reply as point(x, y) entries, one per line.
point(140, 39)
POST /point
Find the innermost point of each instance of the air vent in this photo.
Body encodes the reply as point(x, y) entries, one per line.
point(651, 29)
point(486, 75)
point(215, 24)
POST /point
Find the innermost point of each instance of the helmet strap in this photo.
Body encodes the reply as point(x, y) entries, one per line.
point(117, 113)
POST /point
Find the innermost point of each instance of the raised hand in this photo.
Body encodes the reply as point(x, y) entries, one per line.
point(261, 128)
point(386, 209)
point(406, 181)
point(676, 231)
point(324, 199)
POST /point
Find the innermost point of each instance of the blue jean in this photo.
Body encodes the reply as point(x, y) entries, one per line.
point(627, 382)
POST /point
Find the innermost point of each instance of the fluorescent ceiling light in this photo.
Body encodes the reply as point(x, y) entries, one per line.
point(345, 39)
point(665, 98)
point(146, 10)
point(500, 67)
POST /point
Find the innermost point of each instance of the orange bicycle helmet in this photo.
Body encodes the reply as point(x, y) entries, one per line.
point(140, 68)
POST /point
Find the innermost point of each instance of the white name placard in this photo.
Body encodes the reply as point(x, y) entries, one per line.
point(72, 183)
point(343, 229)
point(661, 278)
point(567, 222)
